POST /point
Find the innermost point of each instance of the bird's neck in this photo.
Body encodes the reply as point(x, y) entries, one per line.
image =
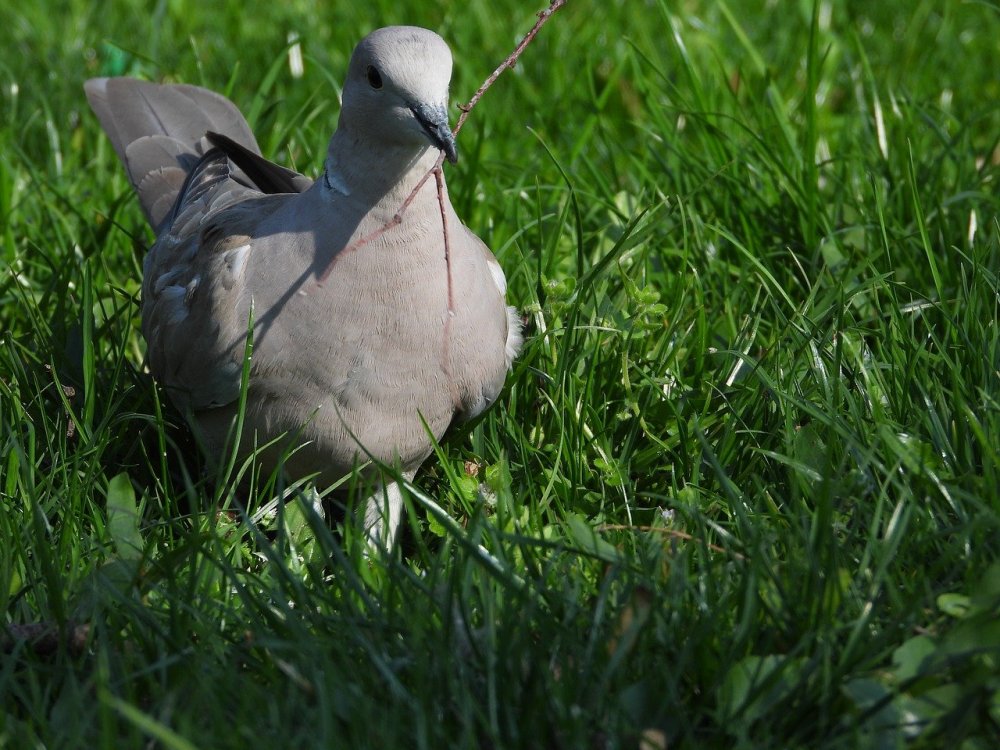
point(359, 170)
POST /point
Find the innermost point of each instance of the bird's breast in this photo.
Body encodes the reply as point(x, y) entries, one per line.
point(368, 362)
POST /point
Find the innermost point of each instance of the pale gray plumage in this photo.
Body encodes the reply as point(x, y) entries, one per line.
point(349, 367)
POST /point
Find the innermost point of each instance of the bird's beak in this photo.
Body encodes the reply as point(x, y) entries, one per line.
point(434, 121)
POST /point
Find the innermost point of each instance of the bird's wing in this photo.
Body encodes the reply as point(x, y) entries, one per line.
point(193, 313)
point(265, 175)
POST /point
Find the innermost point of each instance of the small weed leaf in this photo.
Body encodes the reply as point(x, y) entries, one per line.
point(589, 541)
point(954, 605)
point(123, 519)
point(911, 659)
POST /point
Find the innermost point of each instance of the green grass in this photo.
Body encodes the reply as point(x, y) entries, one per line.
point(742, 490)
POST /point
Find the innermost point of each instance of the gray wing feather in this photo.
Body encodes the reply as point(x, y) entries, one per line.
point(160, 187)
point(157, 129)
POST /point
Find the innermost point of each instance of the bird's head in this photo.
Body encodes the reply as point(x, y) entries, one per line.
point(397, 89)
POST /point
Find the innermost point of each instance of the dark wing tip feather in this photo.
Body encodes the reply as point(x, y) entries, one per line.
point(266, 176)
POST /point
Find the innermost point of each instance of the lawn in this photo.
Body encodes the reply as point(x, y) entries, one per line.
point(742, 489)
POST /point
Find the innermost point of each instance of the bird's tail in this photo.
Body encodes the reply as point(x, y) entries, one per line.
point(159, 133)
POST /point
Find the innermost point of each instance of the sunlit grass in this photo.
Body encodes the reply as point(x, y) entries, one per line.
point(741, 489)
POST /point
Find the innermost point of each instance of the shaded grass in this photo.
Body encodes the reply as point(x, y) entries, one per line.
point(741, 490)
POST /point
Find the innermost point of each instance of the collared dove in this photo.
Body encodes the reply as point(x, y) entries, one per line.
point(402, 331)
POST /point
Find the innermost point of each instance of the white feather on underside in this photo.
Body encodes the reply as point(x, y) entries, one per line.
point(514, 335)
point(236, 261)
point(498, 278)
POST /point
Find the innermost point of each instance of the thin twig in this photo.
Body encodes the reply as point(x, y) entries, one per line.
point(439, 179)
point(446, 337)
point(510, 62)
point(668, 532)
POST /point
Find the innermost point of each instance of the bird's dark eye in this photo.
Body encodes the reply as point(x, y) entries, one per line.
point(374, 79)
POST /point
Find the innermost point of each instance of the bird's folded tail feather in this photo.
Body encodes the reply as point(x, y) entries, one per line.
point(159, 133)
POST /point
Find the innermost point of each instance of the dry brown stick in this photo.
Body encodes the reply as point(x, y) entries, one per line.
point(510, 62)
point(668, 532)
point(439, 179)
point(446, 337)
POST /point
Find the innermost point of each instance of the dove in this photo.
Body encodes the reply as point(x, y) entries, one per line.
point(371, 334)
